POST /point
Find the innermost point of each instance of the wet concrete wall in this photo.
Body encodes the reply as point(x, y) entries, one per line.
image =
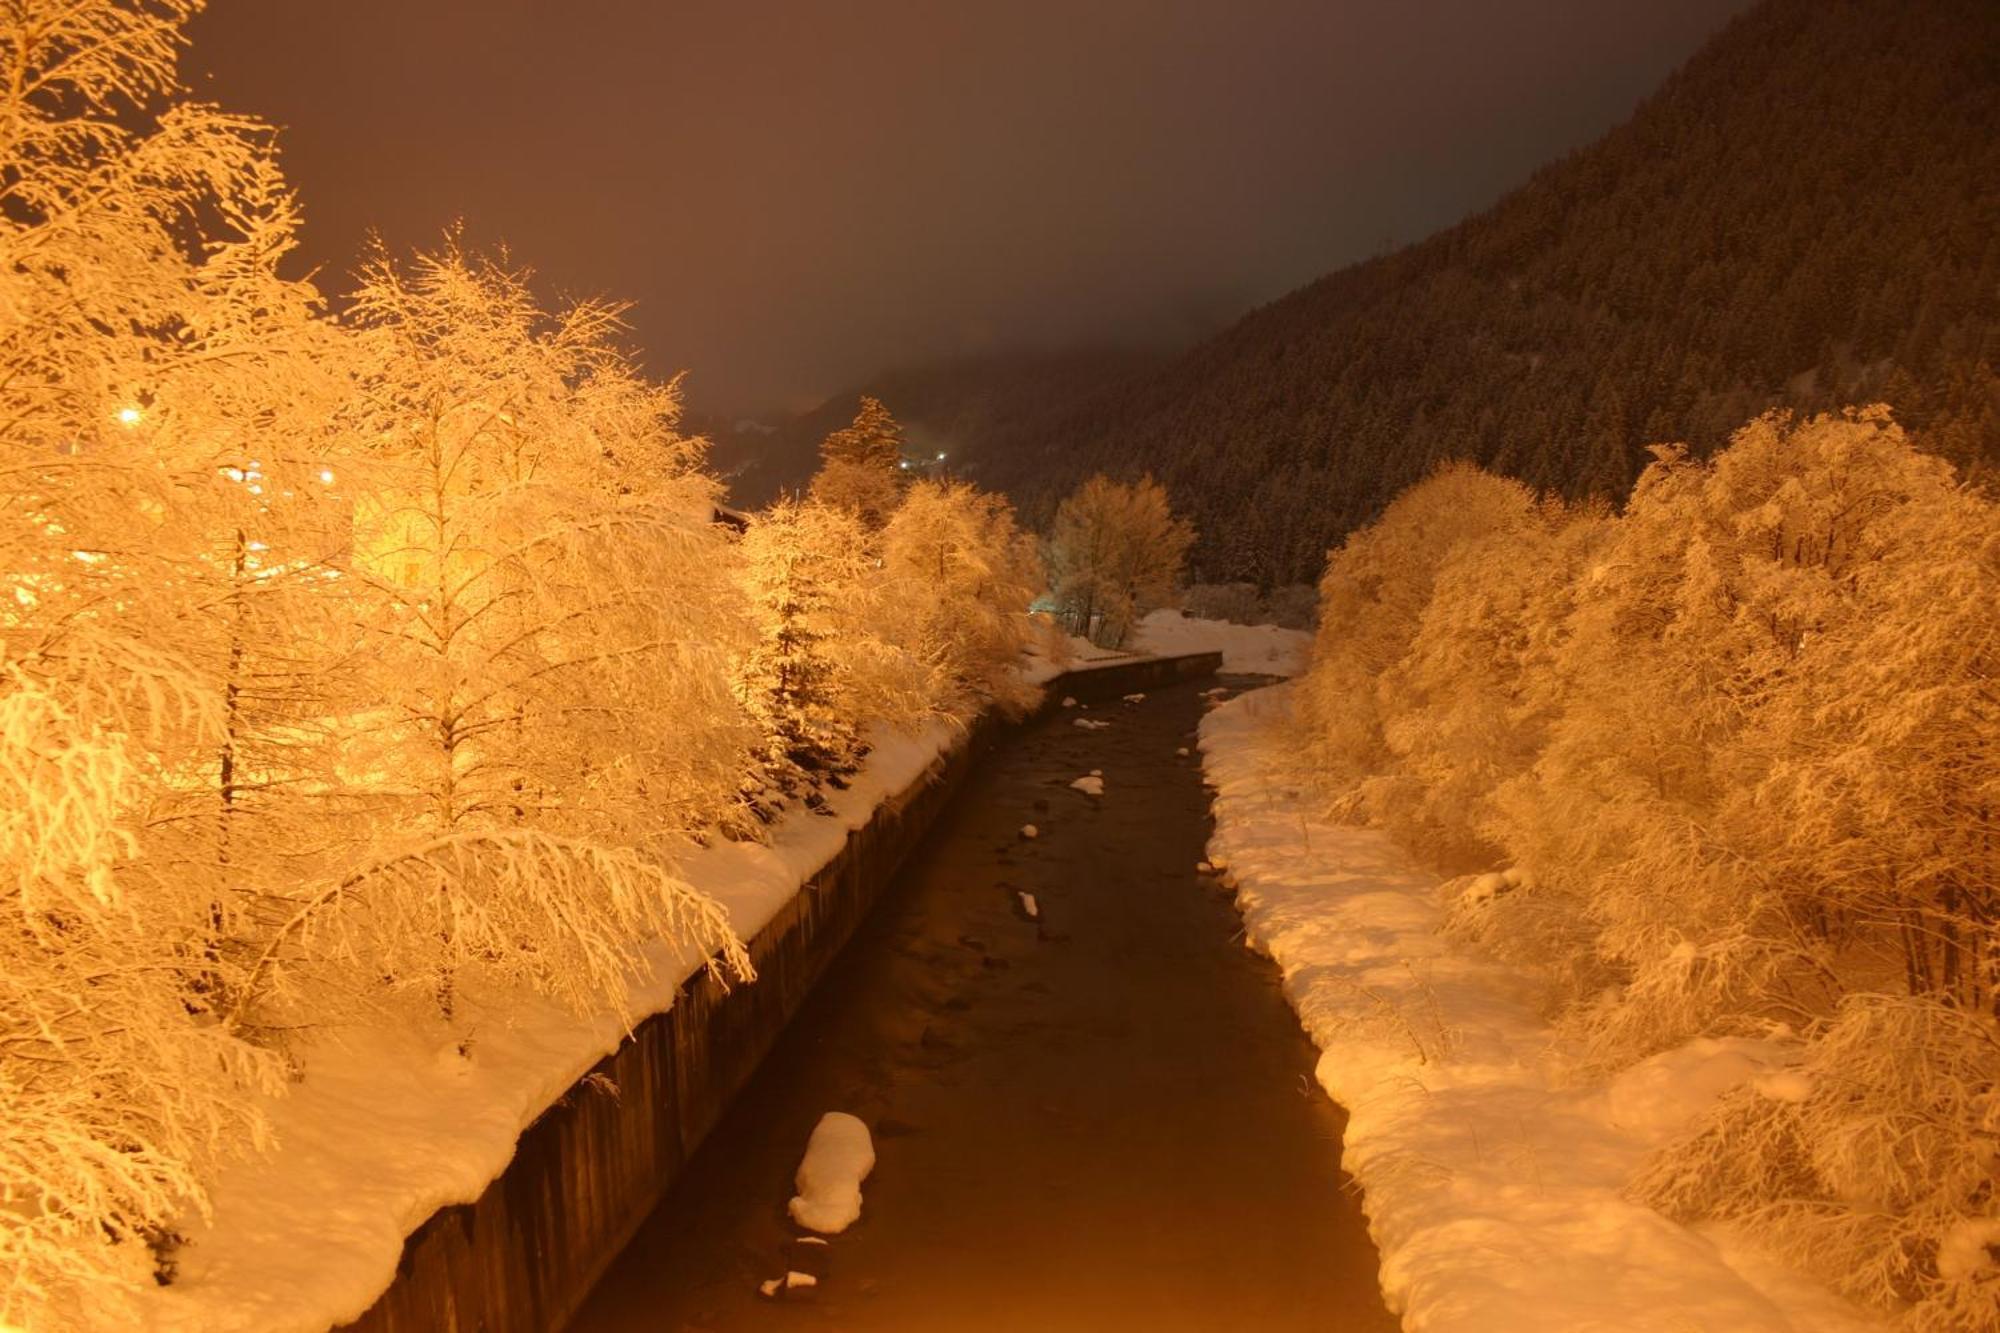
point(591, 1167)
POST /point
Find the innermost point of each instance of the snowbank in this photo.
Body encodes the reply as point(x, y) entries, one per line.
point(1073, 652)
point(397, 1120)
point(1255, 649)
point(1494, 1194)
point(839, 1156)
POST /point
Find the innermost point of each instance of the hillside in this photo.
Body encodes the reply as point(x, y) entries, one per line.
point(1807, 213)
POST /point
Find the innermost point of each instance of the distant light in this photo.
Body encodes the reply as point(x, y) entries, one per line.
point(326, 476)
point(940, 458)
point(904, 464)
point(130, 416)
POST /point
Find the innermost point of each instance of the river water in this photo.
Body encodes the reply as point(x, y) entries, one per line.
point(1101, 1120)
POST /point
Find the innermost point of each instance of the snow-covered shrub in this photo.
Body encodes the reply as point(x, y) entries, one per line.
point(1114, 552)
point(1739, 749)
point(1467, 707)
point(1683, 686)
point(1871, 1163)
point(1372, 602)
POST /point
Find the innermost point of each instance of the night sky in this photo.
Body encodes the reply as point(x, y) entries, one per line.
point(798, 194)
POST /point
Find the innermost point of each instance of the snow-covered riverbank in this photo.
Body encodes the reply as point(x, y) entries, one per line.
point(1494, 1193)
point(1262, 650)
point(399, 1119)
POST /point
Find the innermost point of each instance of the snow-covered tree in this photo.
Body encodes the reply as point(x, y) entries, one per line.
point(142, 322)
point(1373, 600)
point(958, 575)
point(1466, 708)
point(550, 626)
point(396, 647)
point(861, 465)
point(1114, 552)
point(1693, 637)
point(805, 567)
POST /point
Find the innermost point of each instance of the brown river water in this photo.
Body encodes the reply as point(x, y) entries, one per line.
point(1102, 1120)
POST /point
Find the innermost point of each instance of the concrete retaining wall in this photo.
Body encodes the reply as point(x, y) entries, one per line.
point(591, 1167)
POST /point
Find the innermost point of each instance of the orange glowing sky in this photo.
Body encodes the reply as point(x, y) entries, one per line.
point(798, 194)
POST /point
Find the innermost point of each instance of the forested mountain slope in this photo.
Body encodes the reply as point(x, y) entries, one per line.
point(1808, 213)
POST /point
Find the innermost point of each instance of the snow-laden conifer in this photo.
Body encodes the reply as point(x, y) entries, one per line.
point(805, 572)
point(862, 470)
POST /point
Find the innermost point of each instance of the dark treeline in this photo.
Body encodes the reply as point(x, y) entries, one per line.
point(963, 407)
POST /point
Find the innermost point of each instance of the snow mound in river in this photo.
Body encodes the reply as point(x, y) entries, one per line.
point(839, 1156)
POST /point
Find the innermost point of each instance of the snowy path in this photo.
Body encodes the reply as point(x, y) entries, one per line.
point(1098, 1116)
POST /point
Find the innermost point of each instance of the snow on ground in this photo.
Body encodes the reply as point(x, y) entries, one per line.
point(391, 1123)
point(1253, 649)
point(839, 1156)
point(1090, 785)
point(1069, 652)
point(1263, 650)
point(1494, 1193)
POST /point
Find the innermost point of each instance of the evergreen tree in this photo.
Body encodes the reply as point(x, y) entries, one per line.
point(803, 563)
point(861, 465)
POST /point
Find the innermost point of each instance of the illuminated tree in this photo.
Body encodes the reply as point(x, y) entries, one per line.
point(141, 323)
point(958, 577)
point(1114, 552)
point(861, 465)
point(550, 627)
point(1465, 708)
point(1737, 749)
point(1373, 600)
point(805, 567)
